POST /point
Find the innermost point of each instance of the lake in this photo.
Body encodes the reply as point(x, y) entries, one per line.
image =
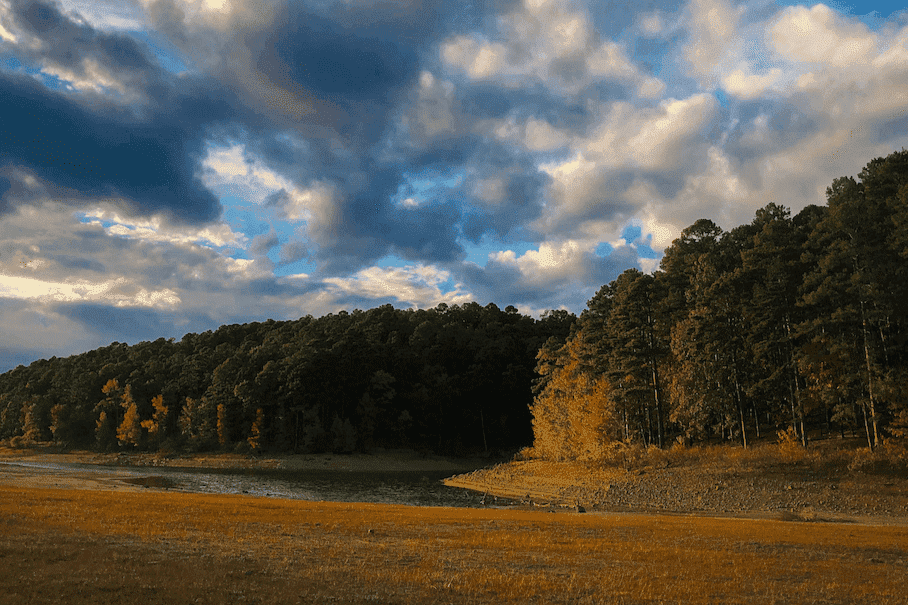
point(414, 488)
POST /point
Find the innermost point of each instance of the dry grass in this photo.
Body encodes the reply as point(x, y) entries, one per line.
point(80, 546)
point(851, 454)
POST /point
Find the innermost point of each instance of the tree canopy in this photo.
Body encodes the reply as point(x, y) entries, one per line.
point(786, 323)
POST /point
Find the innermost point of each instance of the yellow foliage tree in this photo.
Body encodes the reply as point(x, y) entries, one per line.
point(573, 414)
point(155, 426)
point(255, 439)
point(130, 430)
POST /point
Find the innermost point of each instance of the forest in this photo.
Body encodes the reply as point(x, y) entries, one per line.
point(788, 326)
point(453, 379)
point(791, 325)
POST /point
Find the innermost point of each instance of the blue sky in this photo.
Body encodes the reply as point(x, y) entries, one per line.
point(169, 166)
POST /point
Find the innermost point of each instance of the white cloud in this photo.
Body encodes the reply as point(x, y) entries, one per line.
point(531, 134)
point(5, 34)
point(551, 43)
point(552, 262)
point(714, 36)
point(819, 35)
point(417, 285)
point(108, 14)
point(662, 139)
point(749, 86)
point(93, 77)
point(154, 229)
point(231, 170)
point(316, 204)
point(652, 24)
point(120, 292)
point(575, 188)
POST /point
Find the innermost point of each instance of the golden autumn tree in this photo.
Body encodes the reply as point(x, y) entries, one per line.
point(157, 423)
point(573, 413)
point(130, 430)
point(258, 428)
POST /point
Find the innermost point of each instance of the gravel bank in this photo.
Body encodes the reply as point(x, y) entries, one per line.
point(797, 491)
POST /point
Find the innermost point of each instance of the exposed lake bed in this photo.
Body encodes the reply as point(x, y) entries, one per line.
point(398, 477)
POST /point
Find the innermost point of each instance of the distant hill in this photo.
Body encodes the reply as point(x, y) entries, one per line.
point(451, 379)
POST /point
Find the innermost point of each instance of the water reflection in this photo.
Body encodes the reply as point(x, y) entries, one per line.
point(415, 488)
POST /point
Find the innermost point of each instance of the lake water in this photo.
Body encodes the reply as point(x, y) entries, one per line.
point(415, 488)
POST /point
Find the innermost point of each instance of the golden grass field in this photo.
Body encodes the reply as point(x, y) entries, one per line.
point(80, 546)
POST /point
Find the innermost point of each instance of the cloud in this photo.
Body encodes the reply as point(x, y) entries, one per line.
point(169, 161)
point(415, 285)
point(548, 43)
point(66, 47)
point(714, 36)
point(819, 35)
point(148, 166)
point(556, 274)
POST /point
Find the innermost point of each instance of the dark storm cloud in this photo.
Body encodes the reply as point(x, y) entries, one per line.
point(370, 226)
point(345, 64)
point(69, 44)
point(152, 163)
point(11, 358)
point(521, 203)
point(262, 244)
point(86, 144)
point(769, 126)
point(292, 252)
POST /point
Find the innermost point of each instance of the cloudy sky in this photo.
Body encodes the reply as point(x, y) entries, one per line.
point(169, 166)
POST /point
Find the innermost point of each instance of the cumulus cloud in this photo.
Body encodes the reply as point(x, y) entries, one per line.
point(550, 43)
point(164, 164)
point(416, 286)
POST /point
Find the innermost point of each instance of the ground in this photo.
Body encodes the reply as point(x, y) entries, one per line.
point(831, 481)
point(820, 528)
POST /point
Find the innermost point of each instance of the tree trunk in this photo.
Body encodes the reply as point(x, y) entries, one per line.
point(658, 398)
point(873, 418)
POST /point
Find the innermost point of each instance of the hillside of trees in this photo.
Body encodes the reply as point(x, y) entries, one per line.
point(452, 379)
point(789, 323)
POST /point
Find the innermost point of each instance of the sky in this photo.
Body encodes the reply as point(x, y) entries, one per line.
point(170, 166)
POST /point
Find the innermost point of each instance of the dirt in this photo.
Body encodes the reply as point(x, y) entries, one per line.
point(797, 491)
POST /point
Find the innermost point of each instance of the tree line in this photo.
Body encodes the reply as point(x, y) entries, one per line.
point(453, 379)
point(789, 323)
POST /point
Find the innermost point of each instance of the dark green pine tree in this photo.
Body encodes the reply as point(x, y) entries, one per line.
point(770, 276)
point(852, 296)
point(635, 350)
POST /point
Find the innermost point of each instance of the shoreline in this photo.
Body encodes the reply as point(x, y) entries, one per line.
point(792, 491)
point(379, 461)
point(803, 489)
point(51, 468)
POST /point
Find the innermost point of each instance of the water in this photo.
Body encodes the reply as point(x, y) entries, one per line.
point(414, 488)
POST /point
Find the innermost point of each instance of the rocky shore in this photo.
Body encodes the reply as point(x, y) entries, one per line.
point(811, 489)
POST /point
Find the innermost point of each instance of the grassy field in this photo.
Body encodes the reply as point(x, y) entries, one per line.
point(84, 546)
